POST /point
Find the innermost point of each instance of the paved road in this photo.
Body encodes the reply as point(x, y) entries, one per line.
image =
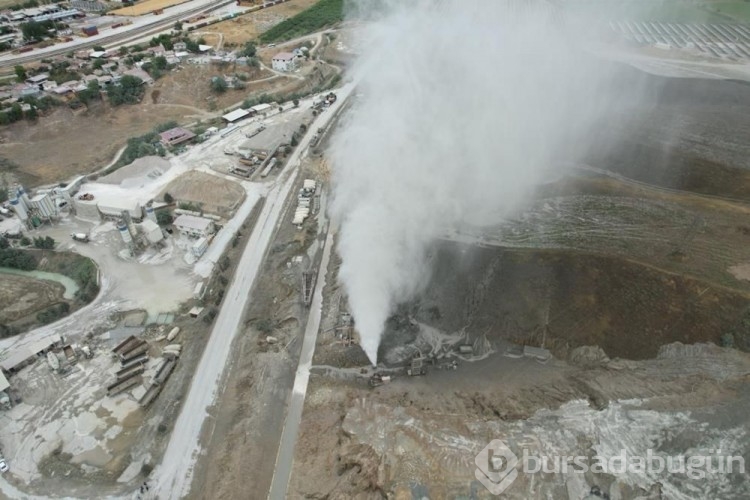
point(143, 26)
point(173, 476)
point(285, 456)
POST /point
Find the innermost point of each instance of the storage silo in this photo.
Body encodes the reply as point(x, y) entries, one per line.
point(20, 210)
point(43, 205)
point(122, 227)
point(23, 197)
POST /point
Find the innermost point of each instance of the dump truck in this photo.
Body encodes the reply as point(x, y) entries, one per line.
point(416, 367)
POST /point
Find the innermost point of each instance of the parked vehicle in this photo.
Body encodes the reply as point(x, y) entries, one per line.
point(3, 465)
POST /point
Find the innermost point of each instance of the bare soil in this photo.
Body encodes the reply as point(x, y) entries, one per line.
point(213, 193)
point(21, 296)
point(241, 29)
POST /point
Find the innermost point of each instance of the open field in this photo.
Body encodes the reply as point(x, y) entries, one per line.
point(146, 7)
point(248, 27)
point(65, 143)
point(323, 14)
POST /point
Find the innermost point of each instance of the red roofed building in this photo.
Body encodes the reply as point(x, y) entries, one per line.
point(175, 136)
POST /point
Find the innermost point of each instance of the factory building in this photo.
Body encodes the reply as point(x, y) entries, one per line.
point(197, 227)
point(112, 208)
point(18, 358)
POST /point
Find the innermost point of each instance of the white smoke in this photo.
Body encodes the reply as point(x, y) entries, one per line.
point(463, 108)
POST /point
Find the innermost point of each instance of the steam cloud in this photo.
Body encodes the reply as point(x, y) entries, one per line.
point(462, 109)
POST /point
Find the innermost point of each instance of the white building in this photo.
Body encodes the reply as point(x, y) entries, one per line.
point(112, 208)
point(191, 225)
point(284, 61)
point(152, 231)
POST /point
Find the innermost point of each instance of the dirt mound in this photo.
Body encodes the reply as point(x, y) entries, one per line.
point(209, 192)
point(567, 299)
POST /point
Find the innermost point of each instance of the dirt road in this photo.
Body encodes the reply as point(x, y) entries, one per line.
point(285, 457)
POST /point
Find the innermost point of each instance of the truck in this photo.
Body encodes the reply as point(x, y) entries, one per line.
point(82, 237)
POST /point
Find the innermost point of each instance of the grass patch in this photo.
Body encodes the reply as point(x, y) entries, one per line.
point(322, 14)
point(737, 10)
point(676, 11)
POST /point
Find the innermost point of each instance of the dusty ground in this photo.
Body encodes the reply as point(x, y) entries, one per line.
point(146, 7)
point(250, 418)
point(21, 296)
point(239, 30)
point(190, 87)
point(213, 193)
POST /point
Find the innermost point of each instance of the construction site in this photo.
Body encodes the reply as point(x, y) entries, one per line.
point(357, 293)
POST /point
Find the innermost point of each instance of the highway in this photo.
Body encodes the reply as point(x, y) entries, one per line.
point(172, 478)
point(145, 26)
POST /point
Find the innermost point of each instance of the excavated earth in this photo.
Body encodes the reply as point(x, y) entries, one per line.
point(626, 272)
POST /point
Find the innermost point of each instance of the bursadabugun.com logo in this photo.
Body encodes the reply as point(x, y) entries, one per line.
point(498, 467)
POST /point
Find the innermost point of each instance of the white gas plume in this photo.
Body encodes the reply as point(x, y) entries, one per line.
point(462, 108)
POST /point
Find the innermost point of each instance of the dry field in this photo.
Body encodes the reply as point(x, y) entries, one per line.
point(146, 7)
point(241, 29)
point(65, 143)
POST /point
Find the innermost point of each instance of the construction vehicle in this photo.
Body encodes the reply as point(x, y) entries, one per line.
point(416, 367)
point(378, 379)
point(80, 237)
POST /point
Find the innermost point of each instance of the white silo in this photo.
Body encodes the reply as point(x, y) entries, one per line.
point(122, 227)
point(18, 207)
point(23, 197)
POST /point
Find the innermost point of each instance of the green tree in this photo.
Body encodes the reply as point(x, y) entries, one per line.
point(218, 85)
point(20, 72)
point(168, 198)
point(129, 91)
point(45, 243)
point(249, 50)
point(192, 46)
point(15, 113)
point(36, 31)
point(160, 62)
point(163, 218)
point(178, 26)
